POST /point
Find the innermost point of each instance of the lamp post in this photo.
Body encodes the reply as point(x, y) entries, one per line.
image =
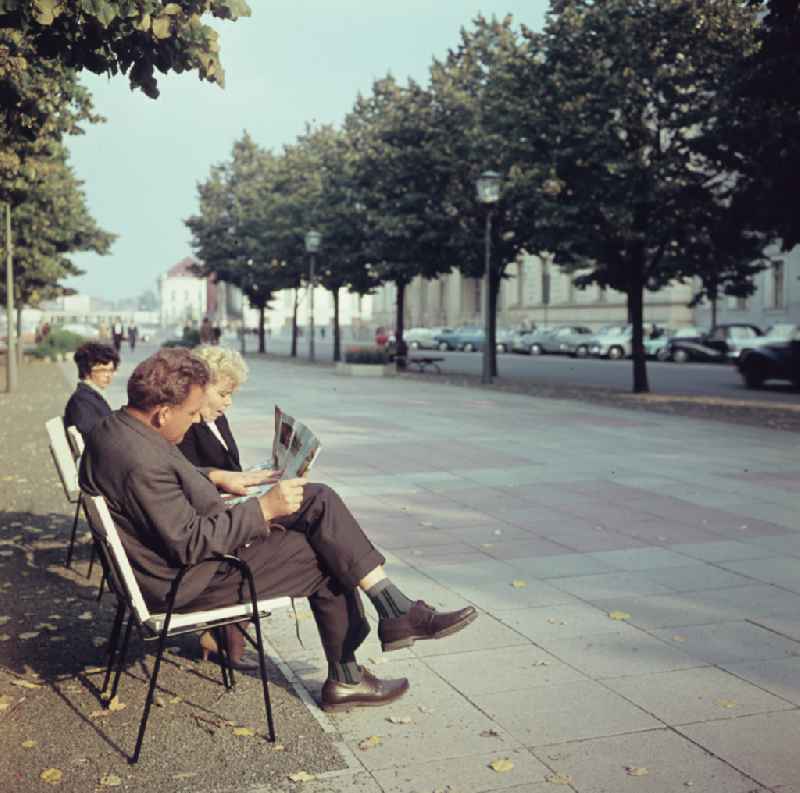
point(488, 186)
point(313, 240)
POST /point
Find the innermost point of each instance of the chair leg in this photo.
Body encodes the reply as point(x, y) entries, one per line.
point(74, 530)
point(122, 655)
point(264, 678)
point(218, 634)
point(114, 641)
point(225, 650)
point(151, 690)
point(101, 587)
point(91, 561)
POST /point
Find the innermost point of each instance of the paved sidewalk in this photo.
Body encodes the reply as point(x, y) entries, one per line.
point(638, 578)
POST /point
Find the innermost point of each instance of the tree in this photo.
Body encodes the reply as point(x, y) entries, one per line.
point(133, 37)
point(477, 90)
point(631, 90)
point(49, 225)
point(398, 186)
point(762, 133)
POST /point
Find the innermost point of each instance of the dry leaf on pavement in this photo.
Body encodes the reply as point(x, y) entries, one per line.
point(52, 776)
point(559, 779)
point(502, 765)
point(369, 743)
point(245, 732)
point(25, 684)
point(399, 719)
point(115, 705)
point(727, 703)
point(110, 780)
point(621, 616)
point(29, 744)
point(633, 770)
point(518, 583)
point(28, 635)
point(302, 776)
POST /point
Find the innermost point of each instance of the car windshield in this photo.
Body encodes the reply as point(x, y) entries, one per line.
point(683, 333)
point(781, 332)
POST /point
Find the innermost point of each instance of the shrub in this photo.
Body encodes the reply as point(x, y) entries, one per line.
point(191, 338)
point(58, 342)
point(366, 354)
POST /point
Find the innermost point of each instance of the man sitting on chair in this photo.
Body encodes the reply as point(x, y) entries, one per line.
point(299, 539)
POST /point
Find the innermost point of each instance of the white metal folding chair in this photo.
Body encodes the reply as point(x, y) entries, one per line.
point(76, 442)
point(64, 459)
point(162, 626)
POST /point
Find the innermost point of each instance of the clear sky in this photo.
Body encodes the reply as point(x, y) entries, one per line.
point(288, 64)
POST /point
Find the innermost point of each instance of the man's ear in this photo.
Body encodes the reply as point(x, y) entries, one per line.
point(162, 415)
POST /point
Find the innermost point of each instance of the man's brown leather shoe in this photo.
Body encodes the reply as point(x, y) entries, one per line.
point(370, 692)
point(422, 622)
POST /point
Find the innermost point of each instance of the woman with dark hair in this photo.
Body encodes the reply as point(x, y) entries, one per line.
point(97, 364)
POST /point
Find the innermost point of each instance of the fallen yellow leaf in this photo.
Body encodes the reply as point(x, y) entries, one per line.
point(677, 638)
point(559, 779)
point(29, 744)
point(244, 732)
point(619, 615)
point(28, 635)
point(110, 780)
point(369, 743)
point(501, 765)
point(52, 776)
point(633, 770)
point(115, 705)
point(727, 703)
point(24, 684)
point(518, 583)
point(302, 776)
point(399, 719)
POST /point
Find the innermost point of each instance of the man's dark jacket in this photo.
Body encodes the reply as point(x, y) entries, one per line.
point(202, 448)
point(85, 408)
point(168, 512)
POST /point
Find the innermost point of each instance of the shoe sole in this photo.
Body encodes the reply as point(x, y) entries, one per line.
point(455, 628)
point(344, 707)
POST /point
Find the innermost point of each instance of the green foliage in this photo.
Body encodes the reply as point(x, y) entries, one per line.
point(133, 37)
point(366, 354)
point(58, 342)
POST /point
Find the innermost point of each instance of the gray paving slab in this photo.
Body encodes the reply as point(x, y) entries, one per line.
point(699, 694)
point(559, 566)
point(784, 571)
point(789, 627)
point(502, 669)
point(472, 774)
point(764, 746)
point(617, 654)
point(671, 764)
point(486, 631)
point(563, 712)
point(779, 676)
point(609, 585)
point(511, 593)
point(697, 577)
point(641, 559)
point(729, 642)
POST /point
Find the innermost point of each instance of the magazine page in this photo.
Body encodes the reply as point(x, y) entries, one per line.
point(282, 442)
point(304, 448)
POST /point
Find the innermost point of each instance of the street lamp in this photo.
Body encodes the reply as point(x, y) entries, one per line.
point(313, 241)
point(488, 186)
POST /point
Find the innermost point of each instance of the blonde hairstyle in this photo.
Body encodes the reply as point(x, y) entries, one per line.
point(223, 362)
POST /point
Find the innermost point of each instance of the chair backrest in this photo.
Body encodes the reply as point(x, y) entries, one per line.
point(122, 579)
point(75, 441)
point(62, 456)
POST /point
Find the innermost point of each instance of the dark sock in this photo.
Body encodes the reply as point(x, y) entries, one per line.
point(388, 600)
point(344, 671)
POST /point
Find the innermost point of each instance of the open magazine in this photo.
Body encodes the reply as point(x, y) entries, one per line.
point(294, 449)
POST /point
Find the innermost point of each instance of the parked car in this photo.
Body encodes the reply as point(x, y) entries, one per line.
point(721, 344)
point(777, 361)
point(656, 346)
point(531, 342)
point(448, 339)
point(565, 340)
point(470, 339)
point(423, 338)
point(614, 343)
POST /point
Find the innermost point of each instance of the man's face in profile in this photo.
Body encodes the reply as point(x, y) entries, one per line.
point(176, 419)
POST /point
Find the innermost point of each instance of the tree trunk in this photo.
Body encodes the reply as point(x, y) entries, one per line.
point(337, 331)
point(262, 347)
point(294, 323)
point(636, 314)
point(714, 311)
point(400, 345)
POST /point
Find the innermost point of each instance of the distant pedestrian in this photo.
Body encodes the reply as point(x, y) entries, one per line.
point(133, 335)
point(216, 334)
point(206, 331)
point(117, 334)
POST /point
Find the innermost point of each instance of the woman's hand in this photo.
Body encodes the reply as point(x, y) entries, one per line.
point(234, 482)
point(263, 476)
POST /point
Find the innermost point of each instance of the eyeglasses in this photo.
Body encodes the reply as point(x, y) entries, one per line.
point(104, 368)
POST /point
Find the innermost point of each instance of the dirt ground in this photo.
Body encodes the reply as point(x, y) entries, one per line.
point(53, 635)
